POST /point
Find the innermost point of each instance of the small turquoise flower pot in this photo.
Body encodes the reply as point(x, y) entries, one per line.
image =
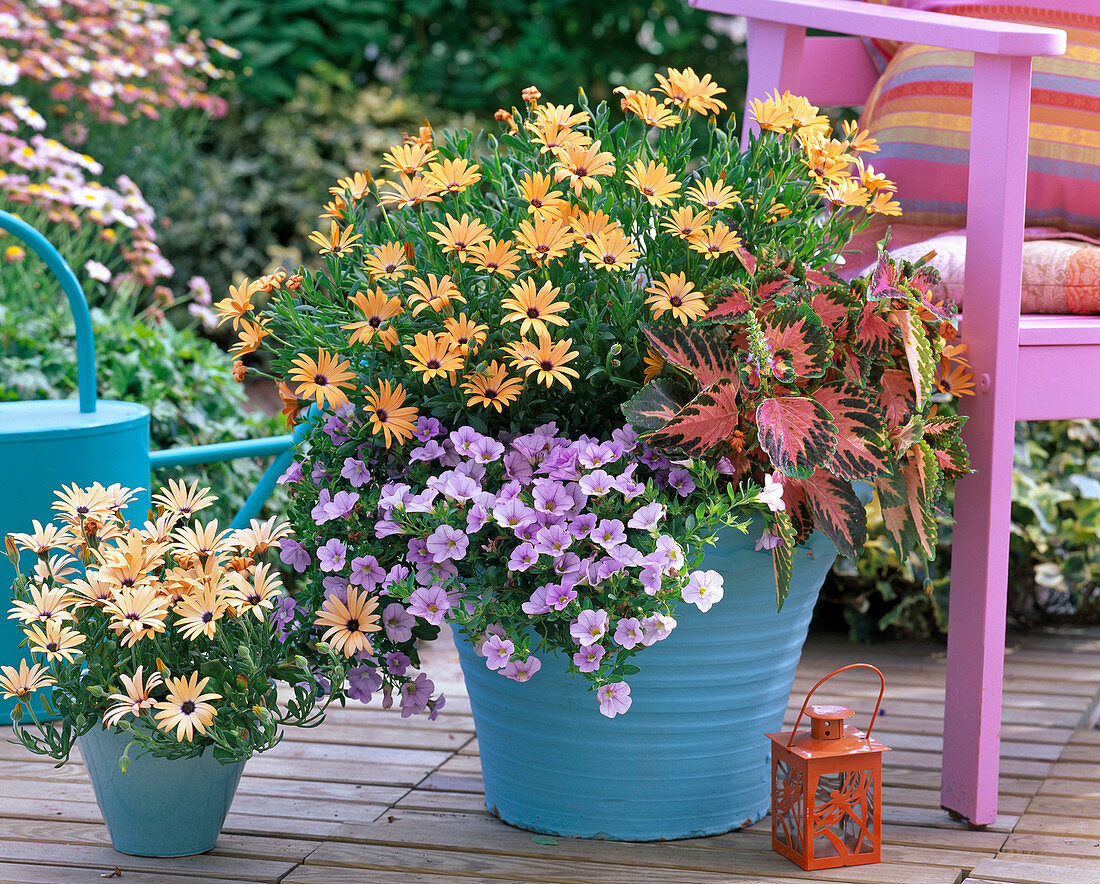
point(160, 806)
point(690, 757)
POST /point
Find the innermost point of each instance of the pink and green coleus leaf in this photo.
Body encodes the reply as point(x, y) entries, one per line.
point(862, 449)
point(797, 433)
point(907, 501)
point(896, 396)
point(654, 405)
point(885, 280)
point(783, 555)
point(943, 435)
point(702, 351)
point(731, 302)
point(837, 510)
point(874, 333)
point(798, 340)
point(707, 420)
point(918, 355)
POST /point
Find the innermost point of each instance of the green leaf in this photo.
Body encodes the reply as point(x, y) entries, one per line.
point(545, 839)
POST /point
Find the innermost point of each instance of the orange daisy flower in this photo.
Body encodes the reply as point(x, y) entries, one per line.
point(56, 640)
point(200, 612)
point(250, 337)
point(496, 256)
point(588, 225)
point(465, 334)
point(453, 176)
point(456, 237)
point(290, 403)
point(494, 388)
point(349, 625)
point(653, 182)
point(881, 204)
point(138, 696)
point(19, 684)
point(553, 137)
point(185, 708)
point(535, 188)
point(356, 186)
point(675, 294)
point(337, 242)
point(611, 250)
point(712, 242)
point(181, 499)
point(411, 192)
point(324, 378)
point(644, 106)
point(772, 113)
point(255, 593)
point(534, 308)
point(388, 413)
point(685, 89)
point(654, 364)
point(685, 222)
point(408, 158)
point(547, 360)
point(433, 355)
point(544, 240)
point(436, 293)
point(580, 166)
point(560, 115)
point(377, 309)
point(237, 304)
point(388, 261)
point(711, 195)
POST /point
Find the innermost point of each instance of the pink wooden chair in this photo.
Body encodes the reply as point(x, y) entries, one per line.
point(1028, 367)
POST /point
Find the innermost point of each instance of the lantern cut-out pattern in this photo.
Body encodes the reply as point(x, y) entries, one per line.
point(827, 787)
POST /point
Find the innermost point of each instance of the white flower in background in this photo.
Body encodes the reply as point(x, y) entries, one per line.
point(97, 271)
point(772, 494)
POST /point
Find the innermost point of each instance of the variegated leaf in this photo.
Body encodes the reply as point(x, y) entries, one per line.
point(829, 304)
point(911, 523)
point(731, 302)
point(896, 396)
point(862, 450)
point(884, 281)
point(782, 556)
point(874, 333)
point(710, 418)
point(918, 353)
point(797, 433)
point(701, 351)
point(653, 406)
point(798, 510)
point(797, 330)
point(838, 512)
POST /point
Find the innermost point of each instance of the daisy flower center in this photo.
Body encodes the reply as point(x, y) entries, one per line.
point(352, 625)
point(533, 312)
point(207, 616)
point(676, 301)
point(187, 707)
point(320, 380)
point(381, 416)
point(374, 321)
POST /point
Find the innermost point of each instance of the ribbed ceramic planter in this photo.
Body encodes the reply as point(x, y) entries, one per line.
point(160, 806)
point(690, 757)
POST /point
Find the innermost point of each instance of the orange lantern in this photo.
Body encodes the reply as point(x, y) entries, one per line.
point(827, 788)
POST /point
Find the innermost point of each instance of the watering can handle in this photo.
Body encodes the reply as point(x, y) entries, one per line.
point(85, 344)
point(874, 715)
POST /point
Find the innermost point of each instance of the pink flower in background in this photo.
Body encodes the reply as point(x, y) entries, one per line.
point(522, 670)
point(415, 695)
point(588, 657)
point(703, 589)
point(497, 651)
point(589, 627)
point(397, 622)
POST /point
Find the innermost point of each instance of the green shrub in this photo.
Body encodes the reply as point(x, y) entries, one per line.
point(1054, 547)
point(465, 55)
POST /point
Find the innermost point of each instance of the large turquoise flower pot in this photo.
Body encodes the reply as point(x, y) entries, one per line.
point(690, 757)
point(160, 806)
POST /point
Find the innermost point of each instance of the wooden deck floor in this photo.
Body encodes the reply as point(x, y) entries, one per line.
point(372, 799)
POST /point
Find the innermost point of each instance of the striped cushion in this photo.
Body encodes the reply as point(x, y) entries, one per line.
point(920, 113)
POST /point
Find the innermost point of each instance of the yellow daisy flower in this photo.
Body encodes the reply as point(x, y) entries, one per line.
point(324, 378)
point(185, 708)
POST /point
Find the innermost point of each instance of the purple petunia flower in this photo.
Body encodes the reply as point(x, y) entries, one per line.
point(552, 541)
point(320, 513)
point(626, 437)
point(397, 663)
point(668, 554)
point(292, 476)
point(393, 494)
point(446, 543)
point(283, 616)
point(418, 552)
point(424, 502)
point(657, 627)
point(497, 651)
point(292, 553)
point(460, 487)
point(428, 428)
point(415, 695)
point(560, 597)
point(680, 480)
point(647, 517)
point(342, 503)
point(597, 483)
point(434, 706)
point(583, 525)
point(703, 589)
point(396, 574)
point(593, 455)
point(430, 603)
point(334, 429)
point(513, 513)
point(355, 471)
point(589, 627)
point(537, 603)
point(614, 698)
point(486, 450)
point(588, 657)
point(318, 474)
point(363, 681)
point(387, 528)
point(609, 533)
point(551, 497)
point(366, 572)
point(332, 556)
point(629, 632)
point(521, 671)
point(651, 579)
point(767, 541)
point(429, 451)
point(337, 587)
point(522, 557)
point(476, 518)
point(397, 623)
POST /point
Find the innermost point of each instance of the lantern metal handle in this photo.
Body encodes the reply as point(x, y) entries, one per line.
point(874, 715)
point(85, 344)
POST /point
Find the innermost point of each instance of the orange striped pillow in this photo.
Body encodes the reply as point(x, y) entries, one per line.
point(920, 113)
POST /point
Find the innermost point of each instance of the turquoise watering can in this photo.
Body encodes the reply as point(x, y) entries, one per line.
point(47, 444)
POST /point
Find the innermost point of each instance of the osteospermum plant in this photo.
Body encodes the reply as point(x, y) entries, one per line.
point(465, 349)
point(174, 632)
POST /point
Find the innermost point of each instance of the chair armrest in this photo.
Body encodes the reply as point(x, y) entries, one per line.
point(909, 25)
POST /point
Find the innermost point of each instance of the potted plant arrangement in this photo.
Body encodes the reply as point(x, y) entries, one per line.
point(545, 371)
point(163, 647)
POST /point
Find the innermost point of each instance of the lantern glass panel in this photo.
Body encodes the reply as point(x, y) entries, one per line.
point(789, 805)
point(843, 814)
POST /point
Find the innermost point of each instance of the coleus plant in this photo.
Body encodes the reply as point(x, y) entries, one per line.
point(821, 383)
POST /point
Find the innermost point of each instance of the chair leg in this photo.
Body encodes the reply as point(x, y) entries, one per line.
point(976, 631)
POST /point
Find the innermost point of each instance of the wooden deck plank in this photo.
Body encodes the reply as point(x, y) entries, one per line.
point(372, 797)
